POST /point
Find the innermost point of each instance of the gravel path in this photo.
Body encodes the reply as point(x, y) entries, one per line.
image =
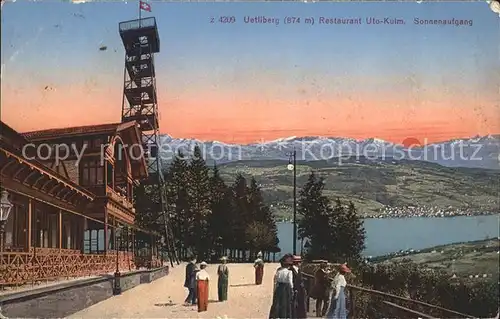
point(164, 297)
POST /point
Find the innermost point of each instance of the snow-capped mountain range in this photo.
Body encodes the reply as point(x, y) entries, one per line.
point(477, 152)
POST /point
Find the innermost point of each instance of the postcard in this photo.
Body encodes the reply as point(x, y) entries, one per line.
point(208, 147)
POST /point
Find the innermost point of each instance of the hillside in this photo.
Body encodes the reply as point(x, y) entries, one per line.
point(471, 259)
point(375, 185)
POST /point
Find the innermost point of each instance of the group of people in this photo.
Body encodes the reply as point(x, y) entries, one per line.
point(197, 283)
point(290, 295)
point(330, 295)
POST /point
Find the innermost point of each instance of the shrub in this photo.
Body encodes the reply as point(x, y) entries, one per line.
point(478, 297)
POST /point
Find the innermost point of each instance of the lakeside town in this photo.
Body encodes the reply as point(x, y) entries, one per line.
point(415, 212)
point(428, 211)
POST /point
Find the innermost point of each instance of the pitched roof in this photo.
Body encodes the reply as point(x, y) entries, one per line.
point(71, 131)
point(8, 133)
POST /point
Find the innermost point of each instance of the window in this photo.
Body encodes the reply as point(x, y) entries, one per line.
point(84, 176)
point(100, 175)
point(97, 143)
point(92, 173)
point(53, 230)
point(110, 174)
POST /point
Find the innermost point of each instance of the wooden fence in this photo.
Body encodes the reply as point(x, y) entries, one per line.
point(389, 305)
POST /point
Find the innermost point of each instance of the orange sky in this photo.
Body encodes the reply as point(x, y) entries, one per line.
point(432, 83)
point(248, 117)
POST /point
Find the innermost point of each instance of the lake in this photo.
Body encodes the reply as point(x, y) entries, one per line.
point(386, 235)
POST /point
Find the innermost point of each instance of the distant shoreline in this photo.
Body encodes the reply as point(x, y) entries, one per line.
point(282, 221)
point(382, 258)
point(443, 215)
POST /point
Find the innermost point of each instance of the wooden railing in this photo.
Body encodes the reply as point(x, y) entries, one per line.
point(41, 264)
point(389, 305)
point(114, 195)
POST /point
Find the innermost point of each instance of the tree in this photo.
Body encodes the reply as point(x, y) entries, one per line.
point(262, 233)
point(178, 201)
point(219, 221)
point(148, 214)
point(198, 192)
point(242, 216)
point(351, 233)
point(149, 210)
point(256, 204)
point(317, 223)
point(210, 217)
point(258, 236)
point(144, 204)
point(334, 233)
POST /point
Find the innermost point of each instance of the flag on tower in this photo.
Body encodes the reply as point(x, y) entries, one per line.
point(144, 6)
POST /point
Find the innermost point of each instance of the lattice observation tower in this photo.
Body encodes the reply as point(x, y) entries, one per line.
point(140, 103)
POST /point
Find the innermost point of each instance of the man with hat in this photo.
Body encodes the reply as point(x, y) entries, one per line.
point(338, 308)
point(190, 281)
point(299, 310)
point(202, 279)
point(321, 289)
point(283, 290)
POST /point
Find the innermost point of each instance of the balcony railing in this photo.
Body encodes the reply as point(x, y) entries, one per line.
point(137, 24)
point(115, 196)
point(38, 264)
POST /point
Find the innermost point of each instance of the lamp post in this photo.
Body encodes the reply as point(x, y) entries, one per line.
point(292, 166)
point(5, 207)
point(117, 288)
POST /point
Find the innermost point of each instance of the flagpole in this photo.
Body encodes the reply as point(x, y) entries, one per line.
point(140, 9)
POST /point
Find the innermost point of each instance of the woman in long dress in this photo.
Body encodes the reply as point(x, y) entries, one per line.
point(223, 280)
point(283, 290)
point(259, 269)
point(338, 308)
point(202, 280)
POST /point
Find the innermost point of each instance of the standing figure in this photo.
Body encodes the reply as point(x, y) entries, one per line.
point(223, 280)
point(321, 289)
point(299, 310)
point(283, 290)
point(259, 269)
point(202, 279)
point(190, 282)
point(338, 308)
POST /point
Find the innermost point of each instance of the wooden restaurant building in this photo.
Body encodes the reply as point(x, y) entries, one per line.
point(72, 210)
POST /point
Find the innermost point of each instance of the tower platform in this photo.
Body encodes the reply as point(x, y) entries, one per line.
point(143, 31)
